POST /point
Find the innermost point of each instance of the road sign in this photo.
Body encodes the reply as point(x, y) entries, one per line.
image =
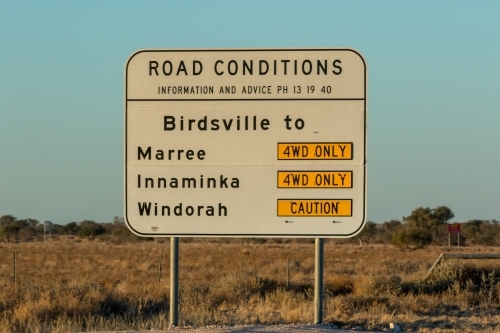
point(47, 226)
point(246, 142)
point(454, 228)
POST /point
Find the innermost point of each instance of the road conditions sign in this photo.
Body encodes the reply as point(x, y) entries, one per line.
point(245, 142)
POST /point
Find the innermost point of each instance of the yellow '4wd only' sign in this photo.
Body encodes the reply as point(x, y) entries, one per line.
point(246, 142)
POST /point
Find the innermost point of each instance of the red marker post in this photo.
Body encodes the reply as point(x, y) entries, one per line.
point(453, 228)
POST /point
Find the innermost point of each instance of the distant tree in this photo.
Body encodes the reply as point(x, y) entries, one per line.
point(90, 229)
point(391, 226)
point(442, 214)
point(9, 228)
point(471, 231)
point(412, 238)
point(27, 229)
point(7, 219)
point(489, 233)
point(32, 223)
point(109, 228)
point(55, 228)
point(369, 232)
point(420, 218)
point(9, 232)
point(70, 229)
point(429, 220)
point(118, 220)
point(122, 234)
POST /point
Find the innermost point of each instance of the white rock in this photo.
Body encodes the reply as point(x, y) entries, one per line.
point(395, 327)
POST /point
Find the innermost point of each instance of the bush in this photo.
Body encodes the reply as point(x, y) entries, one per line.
point(413, 238)
point(121, 234)
point(71, 228)
point(90, 230)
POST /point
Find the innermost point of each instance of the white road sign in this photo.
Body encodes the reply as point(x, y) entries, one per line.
point(245, 142)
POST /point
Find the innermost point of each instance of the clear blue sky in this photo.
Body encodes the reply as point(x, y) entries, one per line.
point(433, 94)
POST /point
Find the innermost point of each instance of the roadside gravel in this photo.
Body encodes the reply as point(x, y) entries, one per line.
point(295, 328)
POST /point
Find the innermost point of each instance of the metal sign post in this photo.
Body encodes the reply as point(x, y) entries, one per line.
point(174, 281)
point(318, 282)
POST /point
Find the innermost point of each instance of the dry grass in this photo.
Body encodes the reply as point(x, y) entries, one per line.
point(69, 286)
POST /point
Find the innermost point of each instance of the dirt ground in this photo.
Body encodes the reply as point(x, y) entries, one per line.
point(294, 328)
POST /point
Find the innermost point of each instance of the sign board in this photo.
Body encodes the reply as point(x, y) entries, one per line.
point(245, 142)
point(454, 228)
point(47, 226)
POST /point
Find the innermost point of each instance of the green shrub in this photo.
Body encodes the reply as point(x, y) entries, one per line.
point(413, 238)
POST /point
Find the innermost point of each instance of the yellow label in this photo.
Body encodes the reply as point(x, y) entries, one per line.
point(315, 151)
point(314, 207)
point(314, 179)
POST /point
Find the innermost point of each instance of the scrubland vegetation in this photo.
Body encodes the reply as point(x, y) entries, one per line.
point(105, 278)
point(423, 227)
point(72, 285)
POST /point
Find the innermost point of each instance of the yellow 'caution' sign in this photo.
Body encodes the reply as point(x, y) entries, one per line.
point(314, 179)
point(315, 151)
point(314, 207)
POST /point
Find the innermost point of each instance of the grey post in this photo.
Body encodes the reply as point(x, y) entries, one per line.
point(318, 282)
point(15, 271)
point(159, 268)
point(174, 281)
point(287, 272)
